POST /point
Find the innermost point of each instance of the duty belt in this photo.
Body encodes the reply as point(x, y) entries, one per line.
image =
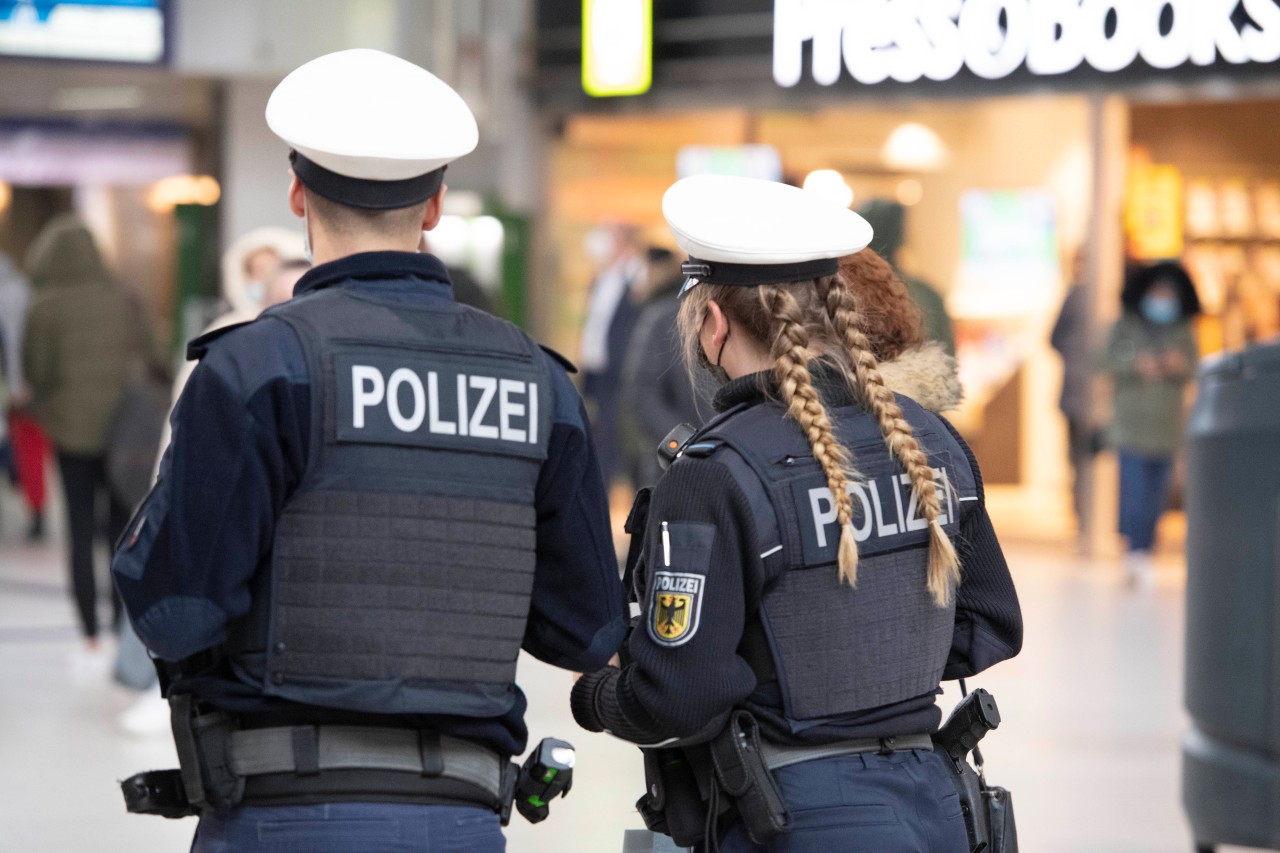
point(777, 755)
point(311, 749)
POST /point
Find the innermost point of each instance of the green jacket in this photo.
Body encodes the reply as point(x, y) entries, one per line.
point(1148, 414)
point(933, 312)
point(83, 334)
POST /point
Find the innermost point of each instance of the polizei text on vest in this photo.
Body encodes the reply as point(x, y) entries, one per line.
point(444, 403)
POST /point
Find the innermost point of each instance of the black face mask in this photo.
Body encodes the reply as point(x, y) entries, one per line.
point(717, 372)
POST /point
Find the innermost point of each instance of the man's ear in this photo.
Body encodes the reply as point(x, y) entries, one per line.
point(435, 208)
point(297, 196)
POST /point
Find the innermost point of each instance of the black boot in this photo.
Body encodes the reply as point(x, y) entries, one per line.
point(35, 533)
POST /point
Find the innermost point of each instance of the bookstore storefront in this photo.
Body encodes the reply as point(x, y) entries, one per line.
point(1030, 142)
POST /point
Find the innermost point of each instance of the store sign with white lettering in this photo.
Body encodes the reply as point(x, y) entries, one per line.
point(907, 40)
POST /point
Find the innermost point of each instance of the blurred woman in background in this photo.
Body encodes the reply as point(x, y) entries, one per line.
point(1151, 356)
point(83, 335)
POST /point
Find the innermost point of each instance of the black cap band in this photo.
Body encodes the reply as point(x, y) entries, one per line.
point(750, 275)
point(362, 192)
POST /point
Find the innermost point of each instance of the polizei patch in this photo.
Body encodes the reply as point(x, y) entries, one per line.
point(675, 607)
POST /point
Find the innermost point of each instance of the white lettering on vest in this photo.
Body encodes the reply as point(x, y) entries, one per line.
point(516, 410)
point(875, 40)
point(867, 495)
point(507, 409)
point(914, 521)
point(533, 412)
point(367, 388)
point(488, 386)
point(882, 529)
point(822, 517)
point(405, 376)
point(941, 474)
point(439, 426)
point(462, 404)
point(861, 534)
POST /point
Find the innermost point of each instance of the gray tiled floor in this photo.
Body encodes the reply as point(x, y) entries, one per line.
point(1089, 747)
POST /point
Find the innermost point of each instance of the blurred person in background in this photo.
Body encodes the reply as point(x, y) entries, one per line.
point(84, 334)
point(259, 270)
point(466, 290)
point(249, 265)
point(1151, 357)
point(889, 219)
point(27, 443)
point(1071, 338)
point(282, 282)
point(658, 392)
point(611, 316)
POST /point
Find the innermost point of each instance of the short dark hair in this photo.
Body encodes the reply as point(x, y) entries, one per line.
point(1143, 278)
point(354, 221)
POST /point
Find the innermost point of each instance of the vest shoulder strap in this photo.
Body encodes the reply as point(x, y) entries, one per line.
point(569, 366)
point(199, 347)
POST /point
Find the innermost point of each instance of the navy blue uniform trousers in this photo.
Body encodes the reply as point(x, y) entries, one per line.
point(347, 827)
point(905, 802)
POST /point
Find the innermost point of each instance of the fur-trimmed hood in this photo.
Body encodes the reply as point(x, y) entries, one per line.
point(927, 375)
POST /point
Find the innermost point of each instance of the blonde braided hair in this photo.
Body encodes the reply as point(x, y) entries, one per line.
point(799, 322)
point(790, 352)
point(842, 310)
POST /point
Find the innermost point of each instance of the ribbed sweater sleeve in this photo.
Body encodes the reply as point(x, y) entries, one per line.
point(682, 677)
point(988, 617)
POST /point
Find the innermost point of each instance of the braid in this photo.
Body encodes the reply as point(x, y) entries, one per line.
point(791, 355)
point(842, 311)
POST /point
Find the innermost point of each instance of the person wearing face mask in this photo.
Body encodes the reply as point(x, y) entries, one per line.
point(1151, 356)
point(248, 267)
point(816, 559)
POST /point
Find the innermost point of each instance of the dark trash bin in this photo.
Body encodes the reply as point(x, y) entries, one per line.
point(1231, 755)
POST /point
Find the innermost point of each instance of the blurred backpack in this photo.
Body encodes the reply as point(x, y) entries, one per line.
point(137, 426)
point(133, 437)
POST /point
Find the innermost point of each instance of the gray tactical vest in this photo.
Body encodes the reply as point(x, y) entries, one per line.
point(839, 650)
point(402, 567)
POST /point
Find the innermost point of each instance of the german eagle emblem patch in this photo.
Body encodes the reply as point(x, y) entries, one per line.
point(675, 606)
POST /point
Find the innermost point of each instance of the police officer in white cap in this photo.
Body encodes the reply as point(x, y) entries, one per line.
point(800, 578)
point(374, 499)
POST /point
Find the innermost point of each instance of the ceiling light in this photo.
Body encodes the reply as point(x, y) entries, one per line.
point(910, 192)
point(914, 147)
point(170, 192)
point(829, 183)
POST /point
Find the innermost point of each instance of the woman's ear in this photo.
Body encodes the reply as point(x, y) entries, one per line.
point(716, 323)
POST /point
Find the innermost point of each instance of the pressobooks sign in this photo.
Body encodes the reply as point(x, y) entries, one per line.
point(905, 40)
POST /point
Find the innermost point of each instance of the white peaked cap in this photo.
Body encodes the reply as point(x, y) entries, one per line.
point(749, 231)
point(365, 115)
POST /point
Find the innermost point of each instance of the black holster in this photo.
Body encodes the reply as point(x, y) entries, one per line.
point(203, 738)
point(674, 803)
point(741, 773)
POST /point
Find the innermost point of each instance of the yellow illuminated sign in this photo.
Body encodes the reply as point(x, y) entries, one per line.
point(617, 47)
point(1153, 212)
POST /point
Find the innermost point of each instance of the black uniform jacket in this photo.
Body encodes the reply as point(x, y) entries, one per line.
point(200, 544)
point(683, 693)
